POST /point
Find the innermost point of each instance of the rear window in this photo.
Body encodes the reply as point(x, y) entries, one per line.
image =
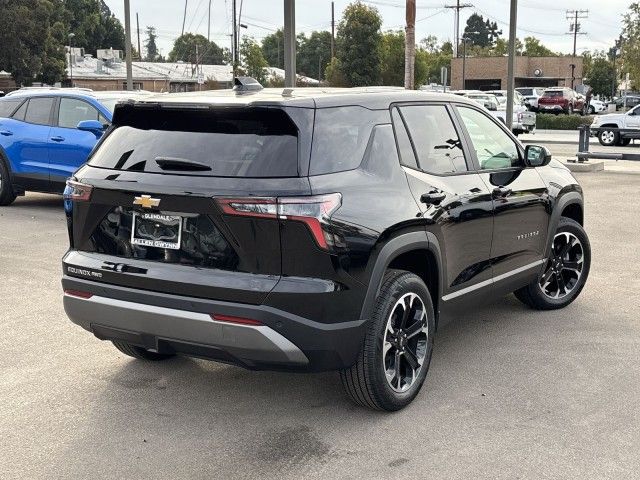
point(7, 107)
point(340, 137)
point(223, 142)
point(526, 91)
point(553, 93)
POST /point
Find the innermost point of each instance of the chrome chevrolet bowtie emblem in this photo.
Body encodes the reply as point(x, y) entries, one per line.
point(145, 201)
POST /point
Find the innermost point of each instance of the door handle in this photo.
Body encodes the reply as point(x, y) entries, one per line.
point(433, 197)
point(6, 133)
point(501, 192)
point(57, 139)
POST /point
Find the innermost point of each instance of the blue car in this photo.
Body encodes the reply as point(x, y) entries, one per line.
point(45, 135)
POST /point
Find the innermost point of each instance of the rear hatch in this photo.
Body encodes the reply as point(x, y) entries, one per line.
point(174, 193)
point(552, 98)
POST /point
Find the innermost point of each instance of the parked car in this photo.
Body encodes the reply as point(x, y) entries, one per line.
point(561, 100)
point(606, 127)
point(310, 230)
point(524, 121)
point(46, 134)
point(531, 96)
point(631, 101)
point(596, 106)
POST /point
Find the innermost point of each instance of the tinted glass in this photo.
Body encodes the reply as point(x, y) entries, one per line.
point(8, 106)
point(407, 156)
point(494, 148)
point(552, 93)
point(526, 91)
point(225, 143)
point(39, 110)
point(73, 111)
point(340, 137)
point(435, 139)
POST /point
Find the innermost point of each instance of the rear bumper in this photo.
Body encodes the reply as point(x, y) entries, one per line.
point(177, 324)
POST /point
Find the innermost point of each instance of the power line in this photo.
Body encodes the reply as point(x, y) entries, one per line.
point(574, 29)
point(456, 22)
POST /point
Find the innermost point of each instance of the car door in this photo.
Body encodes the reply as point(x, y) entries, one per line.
point(520, 199)
point(454, 200)
point(632, 119)
point(28, 131)
point(68, 146)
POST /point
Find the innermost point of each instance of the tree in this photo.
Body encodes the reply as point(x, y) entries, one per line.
point(253, 61)
point(533, 48)
point(184, 49)
point(358, 45)
point(31, 35)
point(392, 58)
point(153, 55)
point(273, 48)
point(477, 32)
point(93, 25)
point(631, 43)
point(601, 75)
point(313, 52)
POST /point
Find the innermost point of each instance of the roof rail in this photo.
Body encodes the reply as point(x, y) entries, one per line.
point(246, 84)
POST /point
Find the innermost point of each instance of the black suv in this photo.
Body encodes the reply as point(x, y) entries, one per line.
point(308, 230)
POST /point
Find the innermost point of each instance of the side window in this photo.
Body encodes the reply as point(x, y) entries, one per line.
point(39, 110)
point(73, 111)
point(19, 114)
point(435, 139)
point(494, 148)
point(8, 106)
point(340, 137)
point(407, 156)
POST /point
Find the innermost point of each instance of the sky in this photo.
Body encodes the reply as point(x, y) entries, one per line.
point(539, 18)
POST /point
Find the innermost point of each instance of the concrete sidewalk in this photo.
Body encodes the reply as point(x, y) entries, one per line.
point(551, 137)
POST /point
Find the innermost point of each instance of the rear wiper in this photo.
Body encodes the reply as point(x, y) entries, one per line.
point(181, 164)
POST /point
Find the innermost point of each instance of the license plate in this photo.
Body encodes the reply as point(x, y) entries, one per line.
point(156, 230)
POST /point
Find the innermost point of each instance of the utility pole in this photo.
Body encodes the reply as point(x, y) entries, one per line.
point(574, 29)
point(209, 24)
point(184, 18)
point(511, 83)
point(234, 53)
point(289, 43)
point(127, 43)
point(138, 29)
point(410, 45)
point(333, 30)
point(456, 23)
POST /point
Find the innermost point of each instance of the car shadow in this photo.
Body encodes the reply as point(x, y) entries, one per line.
point(38, 200)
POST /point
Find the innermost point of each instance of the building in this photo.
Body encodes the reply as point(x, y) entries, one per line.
point(107, 71)
point(6, 82)
point(490, 73)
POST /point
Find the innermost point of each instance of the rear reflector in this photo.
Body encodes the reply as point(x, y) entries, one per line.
point(238, 320)
point(78, 293)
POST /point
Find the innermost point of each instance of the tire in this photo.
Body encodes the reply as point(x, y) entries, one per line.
point(7, 195)
point(592, 110)
point(573, 270)
point(139, 352)
point(367, 382)
point(608, 138)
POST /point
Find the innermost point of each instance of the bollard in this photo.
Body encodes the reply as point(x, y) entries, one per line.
point(583, 141)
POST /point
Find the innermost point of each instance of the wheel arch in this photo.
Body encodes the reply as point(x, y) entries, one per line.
point(570, 203)
point(416, 252)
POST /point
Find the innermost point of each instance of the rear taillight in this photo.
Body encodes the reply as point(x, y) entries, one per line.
point(77, 192)
point(314, 211)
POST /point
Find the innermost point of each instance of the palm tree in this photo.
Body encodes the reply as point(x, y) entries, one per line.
point(410, 46)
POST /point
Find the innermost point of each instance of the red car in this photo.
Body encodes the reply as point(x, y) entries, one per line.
point(556, 100)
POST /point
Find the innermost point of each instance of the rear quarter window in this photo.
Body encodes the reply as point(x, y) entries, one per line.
point(340, 137)
point(7, 107)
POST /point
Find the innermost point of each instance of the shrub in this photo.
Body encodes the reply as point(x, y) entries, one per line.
point(549, 121)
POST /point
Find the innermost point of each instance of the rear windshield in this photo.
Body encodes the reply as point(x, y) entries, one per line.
point(526, 91)
point(553, 93)
point(8, 106)
point(249, 142)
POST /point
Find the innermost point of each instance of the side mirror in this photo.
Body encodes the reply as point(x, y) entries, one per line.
point(93, 126)
point(491, 106)
point(537, 156)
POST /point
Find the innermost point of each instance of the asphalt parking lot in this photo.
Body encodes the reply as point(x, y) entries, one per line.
point(512, 393)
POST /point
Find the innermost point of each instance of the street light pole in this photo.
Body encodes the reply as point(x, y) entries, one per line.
point(71, 35)
point(127, 44)
point(513, 17)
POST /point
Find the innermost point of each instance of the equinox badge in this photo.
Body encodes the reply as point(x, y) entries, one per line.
point(145, 201)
